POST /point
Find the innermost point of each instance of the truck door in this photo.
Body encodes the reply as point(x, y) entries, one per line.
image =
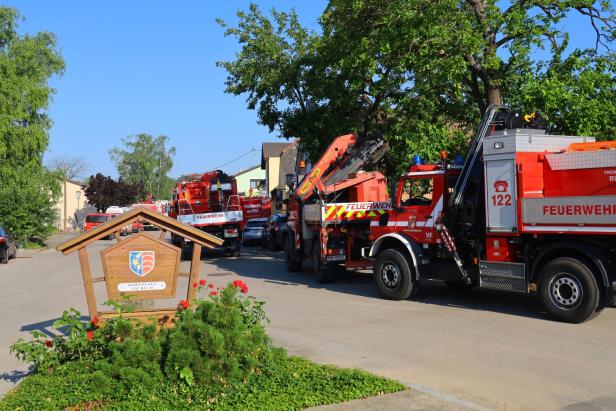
point(420, 198)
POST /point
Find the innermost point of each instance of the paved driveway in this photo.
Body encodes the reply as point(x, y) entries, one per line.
point(491, 349)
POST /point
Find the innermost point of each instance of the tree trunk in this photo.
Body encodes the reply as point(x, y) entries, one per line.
point(494, 95)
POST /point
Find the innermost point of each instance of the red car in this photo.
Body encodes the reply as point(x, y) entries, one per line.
point(94, 220)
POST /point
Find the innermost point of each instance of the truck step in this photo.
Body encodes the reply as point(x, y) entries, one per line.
point(503, 276)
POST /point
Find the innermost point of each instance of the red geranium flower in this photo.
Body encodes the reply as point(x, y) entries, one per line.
point(202, 282)
point(241, 285)
point(213, 293)
point(89, 335)
point(184, 304)
point(195, 285)
point(48, 343)
point(210, 285)
point(94, 321)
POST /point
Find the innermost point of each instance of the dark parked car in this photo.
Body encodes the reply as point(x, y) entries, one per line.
point(8, 246)
point(253, 230)
point(272, 238)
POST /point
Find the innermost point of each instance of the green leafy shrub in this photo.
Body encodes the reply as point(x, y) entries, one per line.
point(220, 341)
point(217, 356)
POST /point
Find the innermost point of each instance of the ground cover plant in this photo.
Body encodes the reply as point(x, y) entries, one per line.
point(217, 356)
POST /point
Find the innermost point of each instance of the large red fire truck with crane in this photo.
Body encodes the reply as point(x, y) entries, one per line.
point(330, 211)
point(528, 212)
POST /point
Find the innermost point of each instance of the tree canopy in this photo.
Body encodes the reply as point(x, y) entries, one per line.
point(28, 190)
point(145, 161)
point(420, 72)
point(103, 192)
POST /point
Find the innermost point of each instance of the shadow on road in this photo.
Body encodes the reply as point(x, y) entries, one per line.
point(252, 264)
point(46, 327)
point(15, 375)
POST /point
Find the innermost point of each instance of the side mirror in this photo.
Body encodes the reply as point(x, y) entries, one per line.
point(392, 193)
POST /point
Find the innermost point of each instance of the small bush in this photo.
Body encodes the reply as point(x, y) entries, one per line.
point(217, 356)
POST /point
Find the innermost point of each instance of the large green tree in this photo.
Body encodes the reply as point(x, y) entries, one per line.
point(420, 72)
point(28, 191)
point(145, 161)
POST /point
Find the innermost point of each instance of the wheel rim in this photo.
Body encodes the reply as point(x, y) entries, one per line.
point(390, 274)
point(566, 291)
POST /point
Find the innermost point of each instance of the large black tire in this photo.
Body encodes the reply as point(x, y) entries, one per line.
point(235, 252)
point(393, 275)
point(569, 290)
point(4, 258)
point(293, 264)
point(321, 272)
point(273, 245)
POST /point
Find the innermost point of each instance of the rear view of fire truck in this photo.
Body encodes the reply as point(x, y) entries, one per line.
point(528, 212)
point(331, 208)
point(210, 203)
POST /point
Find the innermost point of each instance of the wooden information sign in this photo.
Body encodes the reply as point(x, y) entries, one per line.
point(141, 266)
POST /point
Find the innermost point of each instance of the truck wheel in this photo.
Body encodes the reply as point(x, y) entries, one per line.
point(293, 265)
point(569, 290)
point(4, 259)
point(393, 275)
point(321, 272)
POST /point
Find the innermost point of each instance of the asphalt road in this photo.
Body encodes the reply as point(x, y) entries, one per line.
point(491, 349)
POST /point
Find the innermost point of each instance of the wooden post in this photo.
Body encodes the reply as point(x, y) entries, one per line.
point(162, 234)
point(194, 271)
point(117, 236)
point(87, 281)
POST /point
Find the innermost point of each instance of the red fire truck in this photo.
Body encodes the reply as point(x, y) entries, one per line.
point(210, 203)
point(528, 212)
point(330, 211)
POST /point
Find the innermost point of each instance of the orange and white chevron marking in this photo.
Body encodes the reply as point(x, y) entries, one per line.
point(354, 211)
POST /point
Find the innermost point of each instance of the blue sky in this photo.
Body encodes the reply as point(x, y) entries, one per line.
point(149, 66)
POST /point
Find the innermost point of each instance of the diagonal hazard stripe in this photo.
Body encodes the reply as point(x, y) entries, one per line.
point(329, 211)
point(360, 214)
point(349, 214)
point(371, 214)
point(340, 211)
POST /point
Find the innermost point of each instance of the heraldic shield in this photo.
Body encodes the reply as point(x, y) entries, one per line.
point(141, 262)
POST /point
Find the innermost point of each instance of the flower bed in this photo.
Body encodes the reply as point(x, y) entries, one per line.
point(217, 356)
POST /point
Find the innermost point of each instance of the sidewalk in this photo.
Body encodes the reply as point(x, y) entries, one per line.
point(50, 243)
point(410, 399)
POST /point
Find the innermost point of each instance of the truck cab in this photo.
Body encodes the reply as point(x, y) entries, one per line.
point(418, 203)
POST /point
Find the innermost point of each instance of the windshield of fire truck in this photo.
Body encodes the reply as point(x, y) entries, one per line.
point(416, 191)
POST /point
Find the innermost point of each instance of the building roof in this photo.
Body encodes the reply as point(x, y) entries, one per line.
point(239, 173)
point(272, 150)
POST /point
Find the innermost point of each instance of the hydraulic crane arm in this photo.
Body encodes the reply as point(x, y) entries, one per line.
point(344, 156)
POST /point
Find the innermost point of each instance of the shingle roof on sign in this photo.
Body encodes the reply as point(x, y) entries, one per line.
point(272, 150)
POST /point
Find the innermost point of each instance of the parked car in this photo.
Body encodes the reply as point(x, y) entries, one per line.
point(95, 219)
point(253, 230)
point(8, 246)
point(117, 211)
point(272, 237)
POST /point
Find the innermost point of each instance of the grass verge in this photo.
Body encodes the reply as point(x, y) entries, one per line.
point(285, 383)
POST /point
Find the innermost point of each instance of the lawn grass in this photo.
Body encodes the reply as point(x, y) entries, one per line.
point(286, 383)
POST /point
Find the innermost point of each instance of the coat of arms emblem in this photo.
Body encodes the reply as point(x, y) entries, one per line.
point(141, 262)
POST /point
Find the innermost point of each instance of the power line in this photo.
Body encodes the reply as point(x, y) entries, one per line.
point(252, 150)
